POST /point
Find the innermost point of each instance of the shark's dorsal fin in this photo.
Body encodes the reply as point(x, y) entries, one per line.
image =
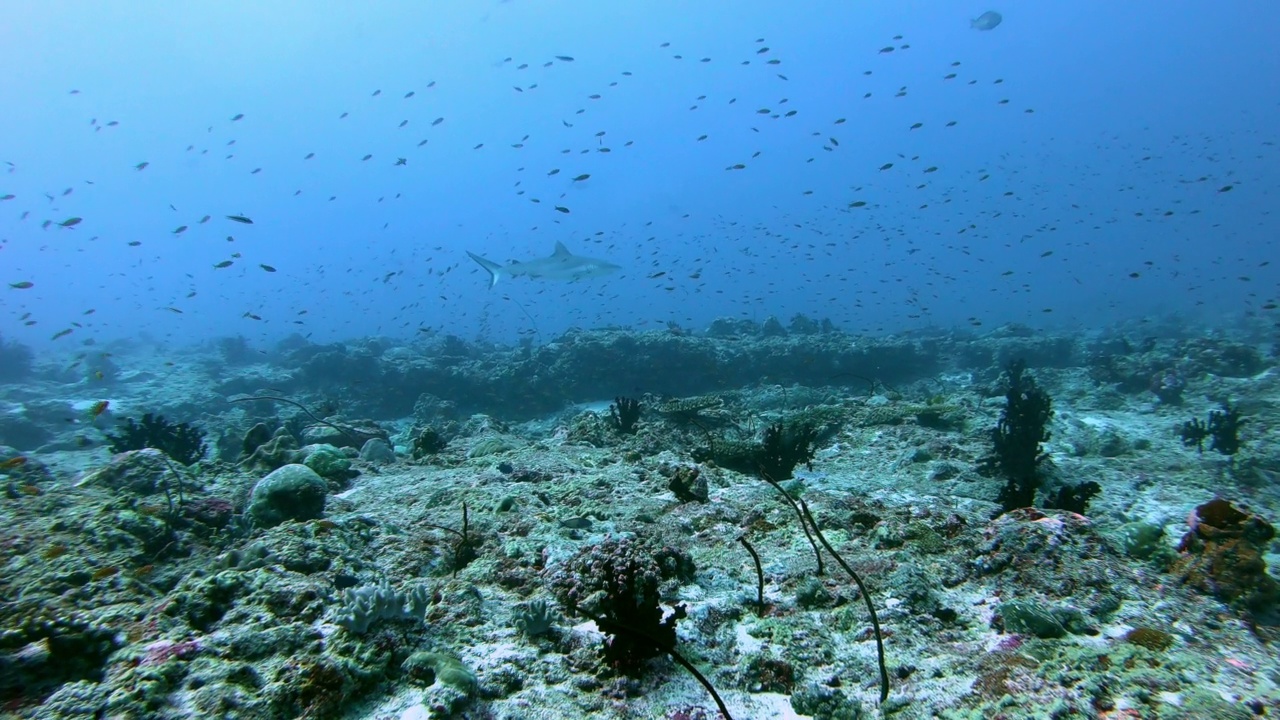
point(561, 250)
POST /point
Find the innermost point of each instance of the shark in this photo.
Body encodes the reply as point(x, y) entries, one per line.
point(561, 265)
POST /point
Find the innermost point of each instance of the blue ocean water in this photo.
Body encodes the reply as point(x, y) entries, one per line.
point(1084, 179)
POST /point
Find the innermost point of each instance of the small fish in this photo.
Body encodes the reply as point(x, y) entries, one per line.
point(931, 168)
point(553, 172)
point(98, 408)
point(986, 21)
point(268, 268)
point(141, 166)
point(583, 176)
point(408, 95)
point(366, 157)
point(886, 166)
point(24, 285)
point(564, 58)
point(886, 49)
point(1224, 188)
point(376, 93)
point(437, 121)
point(205, 219)
point(180, 229)
point(12, 463)
point(174, 309)
point(917, 126)
point(239, 116)
point(8, 196)
point(223, 264)
point(309, 156)
point(562, 209)
point(61, 334)
point(858, 203)
point(70, 222)
point(251, 316)
point(240, 219)
point(401, 161)
point(135, 243)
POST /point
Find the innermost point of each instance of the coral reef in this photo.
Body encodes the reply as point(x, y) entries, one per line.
point(231, 598)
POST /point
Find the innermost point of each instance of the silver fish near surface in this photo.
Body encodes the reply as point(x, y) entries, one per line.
point(561, 265)
point(986, 21)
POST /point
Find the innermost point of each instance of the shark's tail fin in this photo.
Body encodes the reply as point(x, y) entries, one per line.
point(493, 268)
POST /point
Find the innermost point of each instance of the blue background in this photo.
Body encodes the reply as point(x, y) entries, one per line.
point(1123, 123)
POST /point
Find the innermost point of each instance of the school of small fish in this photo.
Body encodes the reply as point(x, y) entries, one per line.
point(580, 155)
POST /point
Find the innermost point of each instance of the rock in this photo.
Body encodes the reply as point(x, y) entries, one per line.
point(327, 460)
point(772, 328)
point(377, 451)
point(731, 327)
point(281, 450)
point(1030, 618)
point(1224, 555)
point(429, 667)
point(137, 471)
point(257, 436)
point(357, 434)
point(293, 492)
point(20, 429)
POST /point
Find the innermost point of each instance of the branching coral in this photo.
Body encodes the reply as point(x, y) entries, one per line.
point(182, 442)
point(624, 413)
point(1222, 431)
point(1016, 439)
